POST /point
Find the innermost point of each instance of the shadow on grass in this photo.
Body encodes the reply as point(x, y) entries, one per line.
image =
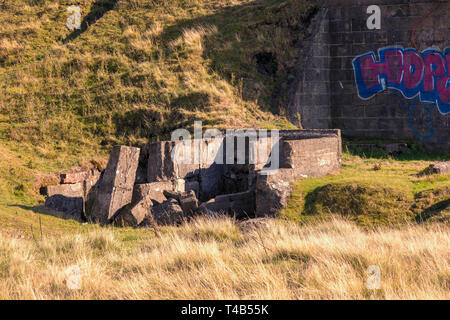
point(433, 211)
point(46, 211)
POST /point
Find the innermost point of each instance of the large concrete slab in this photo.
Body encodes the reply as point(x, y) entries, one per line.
point(116, 187)
point(311, 157)
point(162, 166)
point(272, 191)
point(153, 190)
point(66, 198)
point(240, 204)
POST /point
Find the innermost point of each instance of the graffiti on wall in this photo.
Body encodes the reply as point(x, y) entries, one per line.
point(425, 75)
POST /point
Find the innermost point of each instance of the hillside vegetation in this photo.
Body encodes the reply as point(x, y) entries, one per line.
point(139, 69)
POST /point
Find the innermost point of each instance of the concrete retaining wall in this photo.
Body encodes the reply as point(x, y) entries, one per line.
point(328, 91)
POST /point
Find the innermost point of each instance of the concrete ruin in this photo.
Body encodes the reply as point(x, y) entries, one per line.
point(141, 187)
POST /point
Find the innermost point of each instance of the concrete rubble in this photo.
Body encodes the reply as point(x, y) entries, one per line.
point(148, 186)
point(439, 168)
point(116, 186)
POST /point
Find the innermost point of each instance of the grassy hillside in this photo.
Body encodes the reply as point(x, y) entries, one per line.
point(142, 68)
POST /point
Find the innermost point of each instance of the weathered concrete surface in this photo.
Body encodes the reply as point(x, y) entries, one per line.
point(391, 148)
point(311, 157)
point(167, 213)
point(116, 187)
point(76, 177)
point(161, 166)
point(188, 202)
point(67, 198)
point(240, 204)
point(273, 191)
point(324, 91)
point(152, 190)
point(133, 214)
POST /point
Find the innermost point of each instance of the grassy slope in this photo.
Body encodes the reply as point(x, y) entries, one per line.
point(143, 69)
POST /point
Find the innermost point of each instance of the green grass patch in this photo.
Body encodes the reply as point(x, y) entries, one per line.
point(372, 192)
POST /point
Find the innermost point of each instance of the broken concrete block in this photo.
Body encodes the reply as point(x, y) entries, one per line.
point(188, 202)
point(210, 180)
point(167, 213)
point(235, 178)
point(133, 214)
point(439, 168)
point(116, 187)
point(152, 190)
point(163, 167)
point(76, 177)
point(239, 204)
point(311, 157)
point(66, 198)
point(170, 194)
point(273, 191)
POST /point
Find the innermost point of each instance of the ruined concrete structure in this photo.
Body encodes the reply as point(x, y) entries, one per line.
point(392, 82)
point(148, 185)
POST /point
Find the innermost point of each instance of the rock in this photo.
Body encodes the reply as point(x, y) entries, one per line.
point(273, 191)
point(167, 213)
point(66, 198)
point(239, 204)
point(133, 214)
point(116, 187)
point(170, 194)
point(188, 202)
point(154, 191)
point(438, 168)
point(254, 224)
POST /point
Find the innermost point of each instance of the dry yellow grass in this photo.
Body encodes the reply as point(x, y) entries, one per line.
point(220, 259)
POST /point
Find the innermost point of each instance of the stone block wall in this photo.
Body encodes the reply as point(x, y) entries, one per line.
point(244, 174)
point(405, 112)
